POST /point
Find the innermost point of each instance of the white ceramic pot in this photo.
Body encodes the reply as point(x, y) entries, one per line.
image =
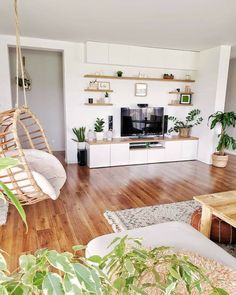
point(99, 135)
point(81, 145)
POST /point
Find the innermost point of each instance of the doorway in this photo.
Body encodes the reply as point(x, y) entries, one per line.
point(45, 99)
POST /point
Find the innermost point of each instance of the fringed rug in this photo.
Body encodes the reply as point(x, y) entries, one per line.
point(3, 212)
point(141, 217)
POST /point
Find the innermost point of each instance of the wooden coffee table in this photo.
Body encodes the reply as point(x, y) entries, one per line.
point(222, 205)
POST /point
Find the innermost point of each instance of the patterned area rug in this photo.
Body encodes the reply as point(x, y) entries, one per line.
point(3, 212)
point(141, 217)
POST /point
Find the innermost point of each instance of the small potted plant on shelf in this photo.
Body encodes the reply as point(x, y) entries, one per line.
point(119, 73)
point(223, 120)
point(184, 127)
point(99, 128)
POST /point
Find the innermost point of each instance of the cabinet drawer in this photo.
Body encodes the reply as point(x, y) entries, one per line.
point(119, 154)
point(99, 155)
point(138, 156)
point(156, 155)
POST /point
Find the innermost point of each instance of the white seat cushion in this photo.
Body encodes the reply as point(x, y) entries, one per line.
point(25, 184)
point(47, 165)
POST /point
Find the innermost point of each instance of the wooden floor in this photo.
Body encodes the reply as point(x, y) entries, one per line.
point(77, 216)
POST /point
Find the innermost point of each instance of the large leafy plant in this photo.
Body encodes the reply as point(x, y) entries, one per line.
point(120, 272)
point(5, 192)
point(224, 120)
point(192, 119)
point(79, 133)
point(99, 125)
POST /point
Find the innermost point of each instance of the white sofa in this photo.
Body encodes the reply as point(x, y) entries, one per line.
point(174, 234)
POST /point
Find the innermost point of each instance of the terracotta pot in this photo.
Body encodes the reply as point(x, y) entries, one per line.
point(184, 132)
point(219, 160)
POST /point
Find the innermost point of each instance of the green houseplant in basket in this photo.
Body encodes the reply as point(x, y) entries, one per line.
point(224, 120)
point(183, 127)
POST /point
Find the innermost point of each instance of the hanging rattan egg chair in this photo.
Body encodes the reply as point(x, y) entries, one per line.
point(21, 134)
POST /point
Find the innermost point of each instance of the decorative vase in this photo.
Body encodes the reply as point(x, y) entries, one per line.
point(90, 135)
point(184, 132)
point(109, 135)
point(82, 157)
point(81, 145)
point(219, 160)
point(99, 135)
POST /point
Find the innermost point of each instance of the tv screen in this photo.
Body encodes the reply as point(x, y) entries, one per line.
point(142, 121)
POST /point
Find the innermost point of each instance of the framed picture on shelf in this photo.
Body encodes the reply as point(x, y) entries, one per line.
point(104, 86)
point(141, 89)
point(185, 98)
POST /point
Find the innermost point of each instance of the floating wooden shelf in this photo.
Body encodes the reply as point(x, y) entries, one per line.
point(99, 104)
point(97, 90)
point(138, 78)
point(176, 92)
point(179, 104)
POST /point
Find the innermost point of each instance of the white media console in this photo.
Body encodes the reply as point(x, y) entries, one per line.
point(120, 152)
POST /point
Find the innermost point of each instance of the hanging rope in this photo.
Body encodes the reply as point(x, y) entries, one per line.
point(19, 61)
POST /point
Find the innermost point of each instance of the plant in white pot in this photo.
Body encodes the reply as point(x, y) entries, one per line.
point(80, 137)
point(223, 120)
point(183, 127)
point(99, 128)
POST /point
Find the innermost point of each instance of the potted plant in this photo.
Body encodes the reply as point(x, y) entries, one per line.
point(81, 145)
point(80, 137)
point(223, 120)
point(119, 73)
point(99, 128)
point(184, 127)
point(127, 269)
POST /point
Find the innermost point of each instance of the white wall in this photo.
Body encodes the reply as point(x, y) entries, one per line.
point(208, 87)
point(72, 58)
point(230, 103)
point(210, 95)
point(45, 98)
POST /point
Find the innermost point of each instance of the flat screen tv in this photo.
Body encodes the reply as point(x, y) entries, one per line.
point(142, 122)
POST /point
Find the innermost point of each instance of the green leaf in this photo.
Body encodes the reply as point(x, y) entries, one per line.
point(59, 261)
point(85, 276)
point(6, 163)
point(95, 258)
point(130, 267)
point(52, 284)
point(38, 279)
point(138, 290)
point(174, 273)
point(219, 291)
point(119, 283)
point(3, 264)
point(27, 262)
point(15, 202)
point(79, 247)
point(72, 285)
point(3, 290)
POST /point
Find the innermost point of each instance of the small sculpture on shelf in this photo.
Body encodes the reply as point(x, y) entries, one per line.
point(93, 85)
point(119, 74)
point(168, 76)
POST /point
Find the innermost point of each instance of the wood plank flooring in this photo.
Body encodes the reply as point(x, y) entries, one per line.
point(77, 216)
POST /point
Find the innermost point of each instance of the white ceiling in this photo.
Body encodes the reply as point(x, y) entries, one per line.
point(179, 24)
